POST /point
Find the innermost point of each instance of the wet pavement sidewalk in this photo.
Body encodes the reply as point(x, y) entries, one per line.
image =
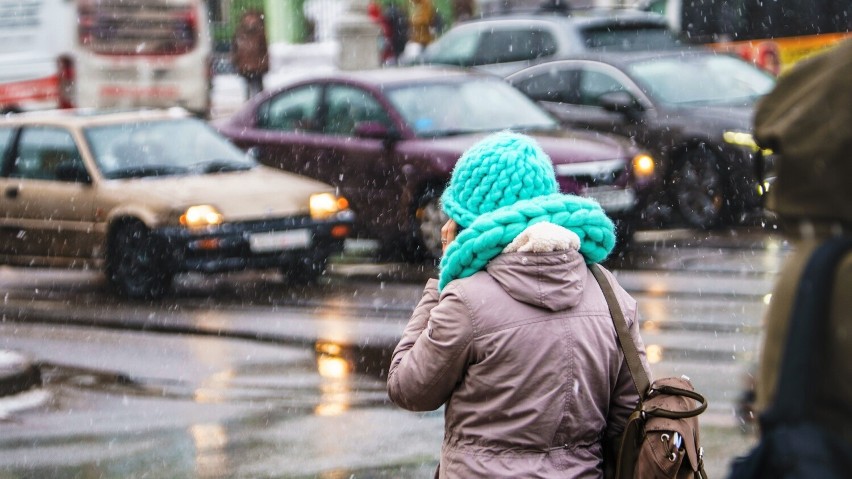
point(17, 373)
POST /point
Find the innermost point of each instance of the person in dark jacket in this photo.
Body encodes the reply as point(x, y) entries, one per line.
point(807, 122)
point(397, 18)
point(515, 336)
point(250, 55)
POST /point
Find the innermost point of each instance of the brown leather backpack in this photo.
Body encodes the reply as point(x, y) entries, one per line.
point(660, 439)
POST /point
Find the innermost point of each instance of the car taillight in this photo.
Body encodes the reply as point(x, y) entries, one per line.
point(66, 75)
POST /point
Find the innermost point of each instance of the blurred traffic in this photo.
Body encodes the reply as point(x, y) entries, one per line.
point(658, 134)
point(389, 139)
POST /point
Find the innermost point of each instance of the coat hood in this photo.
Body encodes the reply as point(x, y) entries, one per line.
point(806, 121)
point(554, 281)
point(542, 266)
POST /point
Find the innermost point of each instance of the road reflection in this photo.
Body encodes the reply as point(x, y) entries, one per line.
point(335, 389)
point(211, 457)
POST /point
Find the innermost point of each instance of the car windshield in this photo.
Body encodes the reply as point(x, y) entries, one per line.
point(629, 39)
point(719, 80)
point(156, 148)
point(458, 107)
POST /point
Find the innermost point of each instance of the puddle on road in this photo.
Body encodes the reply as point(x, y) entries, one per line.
point(339, 377)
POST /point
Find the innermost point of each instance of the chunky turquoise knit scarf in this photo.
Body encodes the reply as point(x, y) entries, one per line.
point(489, 233)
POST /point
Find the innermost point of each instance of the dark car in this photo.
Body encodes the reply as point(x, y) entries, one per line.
point(691, 109)
point(507, 43)
point(389, 140)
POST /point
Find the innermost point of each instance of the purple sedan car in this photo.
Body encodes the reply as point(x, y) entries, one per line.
point(388, 139)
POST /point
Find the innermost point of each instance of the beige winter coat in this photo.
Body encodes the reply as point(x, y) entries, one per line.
point(525, 357)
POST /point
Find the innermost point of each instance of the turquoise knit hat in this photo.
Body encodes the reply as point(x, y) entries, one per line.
point(499, 187)
point(497, 171)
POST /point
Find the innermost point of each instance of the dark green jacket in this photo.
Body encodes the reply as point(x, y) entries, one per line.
point(807, 120)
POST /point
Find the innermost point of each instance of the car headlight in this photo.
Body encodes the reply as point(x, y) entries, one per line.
point(200, 216)
point(324, 205)
point(745, 139)
point(643, 166)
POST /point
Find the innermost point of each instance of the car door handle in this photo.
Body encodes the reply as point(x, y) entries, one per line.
point(11, 192)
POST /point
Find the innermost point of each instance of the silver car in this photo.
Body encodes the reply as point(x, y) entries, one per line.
point(508, 43)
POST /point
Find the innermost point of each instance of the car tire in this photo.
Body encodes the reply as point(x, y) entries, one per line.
point(697, 187)
point(428, 220)
point(303, 271)
point(137, 263)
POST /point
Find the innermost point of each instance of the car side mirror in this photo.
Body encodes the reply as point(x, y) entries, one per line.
point(376, 130)
point(371, 129)
point(619, 102)
point(72, 171)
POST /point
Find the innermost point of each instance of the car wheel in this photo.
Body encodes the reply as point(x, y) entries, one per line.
point(697, 188)
point(136, 263)
point(429, 218)
point(305, 270)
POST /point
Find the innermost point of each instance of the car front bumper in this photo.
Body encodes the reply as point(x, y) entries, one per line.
point(260, 244)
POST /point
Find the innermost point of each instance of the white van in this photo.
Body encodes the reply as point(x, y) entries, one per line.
point(104, 54)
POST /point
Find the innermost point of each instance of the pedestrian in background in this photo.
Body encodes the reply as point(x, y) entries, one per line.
point(463, 10)
point(374, 11)
point(515, 335)
point(397, 18)
point(422, 22)
point(807, 122)
point(250, 55)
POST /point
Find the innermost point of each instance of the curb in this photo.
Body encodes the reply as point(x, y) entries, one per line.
point(17, 373)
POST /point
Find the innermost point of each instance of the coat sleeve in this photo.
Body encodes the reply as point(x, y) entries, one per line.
point(624, 396)
point(433, 353)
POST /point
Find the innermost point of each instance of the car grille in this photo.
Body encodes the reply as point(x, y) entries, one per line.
point(577, 177)
point(604, 181)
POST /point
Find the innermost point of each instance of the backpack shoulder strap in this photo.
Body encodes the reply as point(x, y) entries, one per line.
point(808, 327)
point(631, 354)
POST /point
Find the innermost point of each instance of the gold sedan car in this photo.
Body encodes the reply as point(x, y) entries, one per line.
point(146, 195)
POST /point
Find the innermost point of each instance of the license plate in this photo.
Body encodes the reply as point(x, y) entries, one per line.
point(612, 199)
point(280, 240)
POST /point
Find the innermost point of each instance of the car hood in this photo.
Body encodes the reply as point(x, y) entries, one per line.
point(715, 118)
point(563, 146)
point(259, 193)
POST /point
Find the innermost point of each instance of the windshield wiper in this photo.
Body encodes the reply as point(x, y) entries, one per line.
point(220, 166)
point(456, 132)
point(530, 128)
point(141, 171)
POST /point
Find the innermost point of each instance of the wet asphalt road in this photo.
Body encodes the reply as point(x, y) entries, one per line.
point(240, 376)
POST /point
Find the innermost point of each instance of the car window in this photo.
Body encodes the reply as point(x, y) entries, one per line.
point(5, 142)
point(708, 80)
point(293, 110)
point(593, 84)
point(454, 48)
point(503, 46)
point(476, 105)
point(629, 39)
point(163, 147)
point(41, 150)
point(552, 85)
point(347, 106)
